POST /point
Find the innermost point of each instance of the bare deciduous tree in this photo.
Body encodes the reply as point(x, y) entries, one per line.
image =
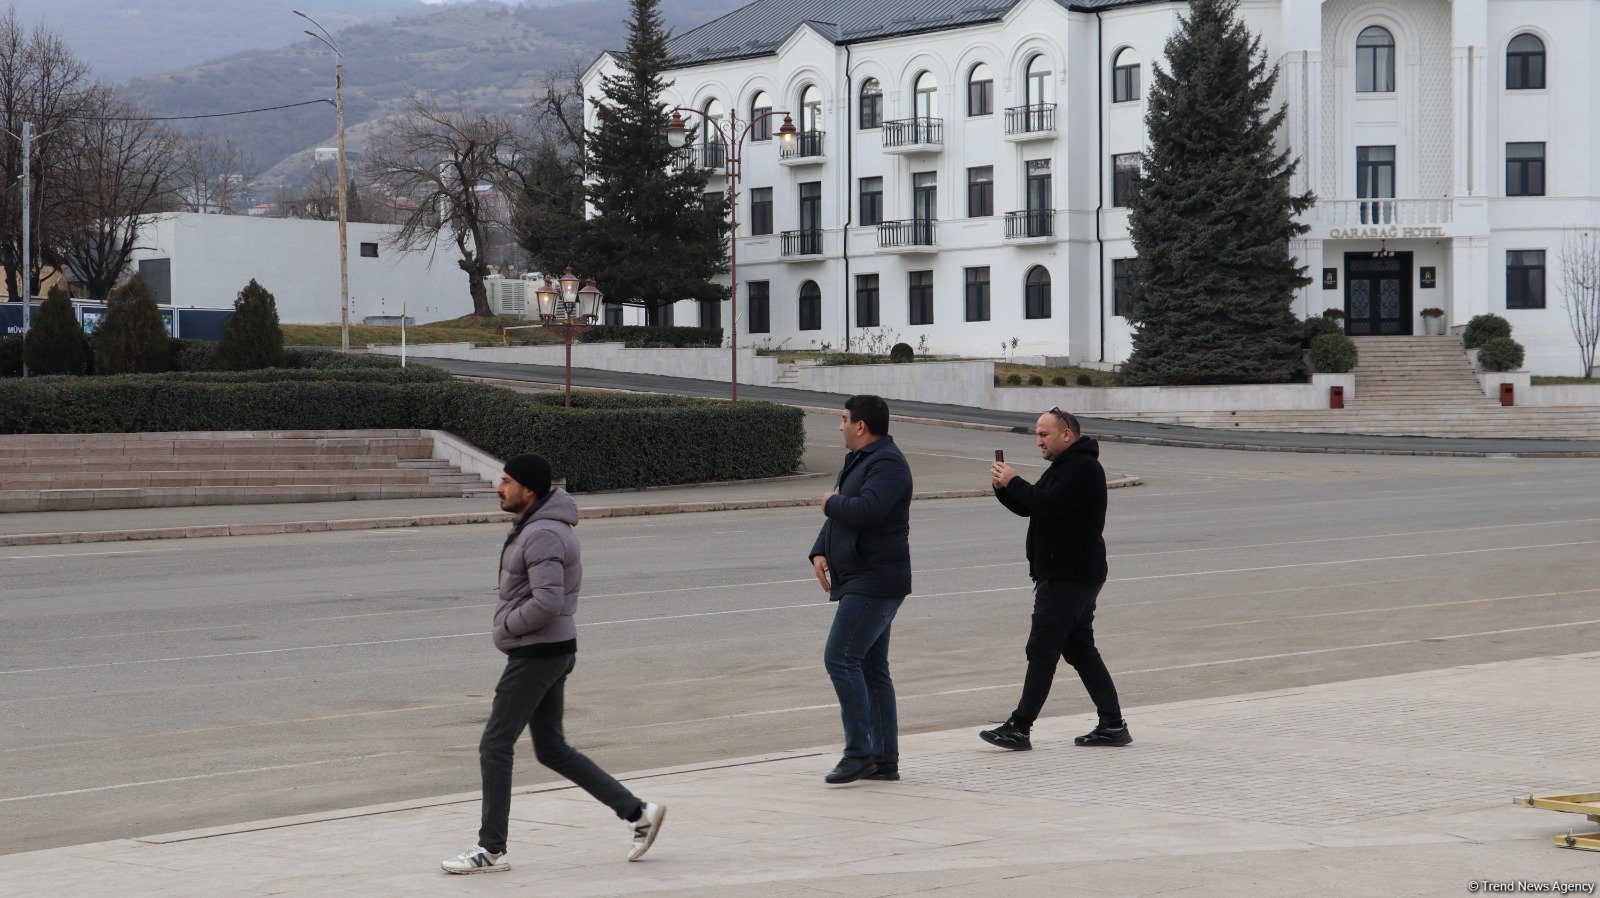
point(550, 209)
point(1580, 290)
point(213, 173)
point(450, 168)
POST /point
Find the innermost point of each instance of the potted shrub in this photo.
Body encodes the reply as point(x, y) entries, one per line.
point(1333, 314)
point(1433, 322)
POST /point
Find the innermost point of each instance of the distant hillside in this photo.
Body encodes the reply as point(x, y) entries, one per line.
point(490, 54)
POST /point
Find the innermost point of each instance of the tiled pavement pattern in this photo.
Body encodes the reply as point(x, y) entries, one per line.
point(1398, 785)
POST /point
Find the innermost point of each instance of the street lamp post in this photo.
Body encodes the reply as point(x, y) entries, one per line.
point(344, 212)
point(733, 138)
point(569, 310)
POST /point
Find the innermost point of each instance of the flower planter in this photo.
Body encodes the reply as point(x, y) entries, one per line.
point(1433, 326)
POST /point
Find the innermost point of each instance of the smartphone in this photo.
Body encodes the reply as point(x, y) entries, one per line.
point(1000, 455)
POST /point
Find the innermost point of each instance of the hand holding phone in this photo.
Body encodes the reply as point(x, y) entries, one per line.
point(1000, 455)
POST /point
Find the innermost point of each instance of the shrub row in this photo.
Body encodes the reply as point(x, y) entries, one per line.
point(606, 442)
point(637, 336)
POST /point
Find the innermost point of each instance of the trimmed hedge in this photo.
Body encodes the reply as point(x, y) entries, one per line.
point(1500, 354)
point(1312, 328)
point(607, 442)
point(1483, 328)
point(11, 349)
point(1333, 354)
point(637, 336)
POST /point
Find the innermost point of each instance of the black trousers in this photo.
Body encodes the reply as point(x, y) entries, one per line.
point(530, 693)
point(1063, 627)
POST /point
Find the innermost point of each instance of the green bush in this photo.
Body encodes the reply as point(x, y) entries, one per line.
point(410, 374)
point(1312, 328)
point(1014, 380)
point(56, 343)
point(131, 338)
point(11, 356)
point(333, 358)
point(639, 336)
point(1085, 380)
point(1483, 328)
point(251, 338)
point(190, 355)
point(1333, 354)
point(609, 441)
point(1035, 380)
point(901, 353)
point(1500, 354)
point(1060, 381)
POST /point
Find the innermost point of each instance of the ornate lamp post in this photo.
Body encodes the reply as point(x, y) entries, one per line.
point(570, 310)
point(733, 138)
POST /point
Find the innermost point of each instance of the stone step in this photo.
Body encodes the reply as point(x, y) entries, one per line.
point(116, 479)
point(154, 497)
point(205, 463)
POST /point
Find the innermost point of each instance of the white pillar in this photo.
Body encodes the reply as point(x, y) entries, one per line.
point(1469, 279)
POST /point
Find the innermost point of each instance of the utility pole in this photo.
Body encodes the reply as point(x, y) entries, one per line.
point(344, 212)
point(27, 233)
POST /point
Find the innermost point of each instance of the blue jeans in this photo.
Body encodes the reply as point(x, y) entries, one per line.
point(857, 658)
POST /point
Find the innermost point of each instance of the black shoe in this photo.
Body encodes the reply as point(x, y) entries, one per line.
point(1008, 735)
point(1104, 735)
point(885, 771)
point(850, 770)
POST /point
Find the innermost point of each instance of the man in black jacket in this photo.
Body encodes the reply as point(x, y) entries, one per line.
point(862, 558)
point(1066, 512)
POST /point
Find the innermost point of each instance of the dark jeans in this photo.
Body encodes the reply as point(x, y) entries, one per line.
point(857, 658)
point(530, 694)
point(1063, 627)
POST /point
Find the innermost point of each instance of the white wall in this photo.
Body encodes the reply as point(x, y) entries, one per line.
point(214, 256)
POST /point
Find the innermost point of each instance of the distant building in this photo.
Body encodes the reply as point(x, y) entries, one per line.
point(325, 154)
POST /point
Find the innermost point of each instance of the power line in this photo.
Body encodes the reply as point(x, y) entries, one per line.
point(182, 118)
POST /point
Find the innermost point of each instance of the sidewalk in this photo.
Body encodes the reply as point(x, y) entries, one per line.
point(1398, 785)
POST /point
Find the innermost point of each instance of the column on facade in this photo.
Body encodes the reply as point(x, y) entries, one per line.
point(1308, 252)
point(1469, 278)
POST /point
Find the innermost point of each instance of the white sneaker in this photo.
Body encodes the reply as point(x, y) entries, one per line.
point(478, 860)
point(645, 829)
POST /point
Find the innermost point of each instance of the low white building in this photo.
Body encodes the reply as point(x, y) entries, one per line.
point(961, 175)
point(203, 261)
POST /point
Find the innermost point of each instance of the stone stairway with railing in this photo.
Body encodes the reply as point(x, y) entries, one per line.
point(1410, 386)
point(40, 472)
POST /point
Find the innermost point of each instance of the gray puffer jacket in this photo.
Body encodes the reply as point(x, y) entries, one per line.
point(540, 574)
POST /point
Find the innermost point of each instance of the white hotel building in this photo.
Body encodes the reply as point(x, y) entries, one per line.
point(962, 168)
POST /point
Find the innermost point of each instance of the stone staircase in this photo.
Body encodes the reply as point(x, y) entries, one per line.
point(1410, 386)
point(787, 374)
point(96, 471)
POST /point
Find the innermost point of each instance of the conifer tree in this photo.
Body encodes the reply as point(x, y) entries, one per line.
point(1213, 215)
point(252, 338)
point(654, 239)
point(56, 343)
point(132, 338)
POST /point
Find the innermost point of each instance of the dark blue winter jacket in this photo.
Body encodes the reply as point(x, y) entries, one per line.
point(867, 537)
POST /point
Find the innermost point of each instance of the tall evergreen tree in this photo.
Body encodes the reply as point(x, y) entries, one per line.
point(132, 338)
point(654, 240)
point(1214, 214)
point(56, 343)
point(252, 338)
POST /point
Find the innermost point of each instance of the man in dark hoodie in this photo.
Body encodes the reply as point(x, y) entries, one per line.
point(1066, 512)
point(862, 558)
point(541, 572)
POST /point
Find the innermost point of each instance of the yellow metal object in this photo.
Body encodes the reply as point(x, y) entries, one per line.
point(1585, 803)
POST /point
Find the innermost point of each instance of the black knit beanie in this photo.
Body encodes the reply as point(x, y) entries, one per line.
point(530, 470)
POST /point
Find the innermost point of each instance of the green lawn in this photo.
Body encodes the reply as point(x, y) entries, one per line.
point(1552, 381)
point(467, 329)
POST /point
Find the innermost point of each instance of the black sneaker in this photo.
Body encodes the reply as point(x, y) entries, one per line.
point(885, 771)
point(1008, 735)
point(1104, 735)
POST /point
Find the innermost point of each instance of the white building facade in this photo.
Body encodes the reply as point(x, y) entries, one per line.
point(961, 174)
point(202, 261)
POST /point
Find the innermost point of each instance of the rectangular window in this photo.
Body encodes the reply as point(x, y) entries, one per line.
point(871, 110)
point(871, 201)
point(1525, 169)
point(158, 274)
point(867, 300)
point(1124, 179)
point(980, 191)
point(924, 196)
point(761, 123)
point(613, 315)
point(710, 313)
point(1525, 279)
point(1375, 181)
point(811, 205)
point(978, 294)
point(759, 303)
point(1122, 304)
point(1125, 83)
point(921, 297)
point(369, 250)
point(980, 97)
point(760, 211)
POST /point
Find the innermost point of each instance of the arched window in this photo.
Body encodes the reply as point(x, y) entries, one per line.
point(871, 104)
point(810, 306)
point(1125, 76)
point(980, 90)
point(1525, 63)
point(1375, 61)
point(1036, 293)
point(760, 105)
point(926, 104)
point(810, 108)
point(713, 148)
point(1036, 86)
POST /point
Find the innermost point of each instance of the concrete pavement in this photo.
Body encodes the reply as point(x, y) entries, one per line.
point(1398, 785)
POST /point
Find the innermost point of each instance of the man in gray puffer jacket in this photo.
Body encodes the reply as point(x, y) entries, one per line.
point(541, 572)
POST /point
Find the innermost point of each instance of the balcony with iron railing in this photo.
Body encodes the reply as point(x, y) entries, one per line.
point(711, 156)
point(913, 135)
point(805, 149)
point(908, 235)
point(1030, 223)
point(802, 242)
point(1035, 122)
point(1383, 217)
